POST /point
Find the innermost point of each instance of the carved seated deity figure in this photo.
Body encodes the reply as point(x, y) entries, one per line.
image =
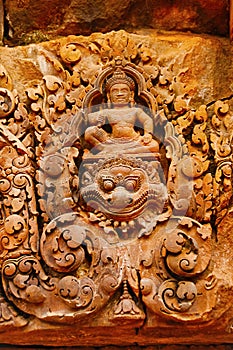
point(124, 118)
point(125, 181)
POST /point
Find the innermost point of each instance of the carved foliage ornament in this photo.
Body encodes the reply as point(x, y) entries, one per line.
point(123, 206)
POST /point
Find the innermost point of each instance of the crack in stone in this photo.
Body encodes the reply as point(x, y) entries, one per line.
point(220, 99)
point(138, 329)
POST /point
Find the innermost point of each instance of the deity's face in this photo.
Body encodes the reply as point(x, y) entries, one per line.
point(120, 93)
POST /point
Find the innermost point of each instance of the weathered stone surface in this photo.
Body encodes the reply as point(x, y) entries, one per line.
point(231, 20)
point(28, 22)
point(1, 22)
point(135, 347)
point(206, 59)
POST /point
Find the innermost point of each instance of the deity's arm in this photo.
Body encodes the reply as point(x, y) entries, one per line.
point(146, 121)
point(96, 118)
point(94, 133)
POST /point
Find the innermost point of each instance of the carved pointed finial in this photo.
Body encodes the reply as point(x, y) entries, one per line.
point(126, 309)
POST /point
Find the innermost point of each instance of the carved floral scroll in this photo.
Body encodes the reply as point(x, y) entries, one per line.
point(111, 190)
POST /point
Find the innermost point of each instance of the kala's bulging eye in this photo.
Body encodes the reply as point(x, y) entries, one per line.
point(130, 185)
point(108, 185)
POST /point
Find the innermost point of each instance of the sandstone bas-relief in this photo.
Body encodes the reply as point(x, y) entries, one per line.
point(116, 188)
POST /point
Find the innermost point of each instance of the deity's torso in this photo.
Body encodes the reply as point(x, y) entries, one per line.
point(122, 121)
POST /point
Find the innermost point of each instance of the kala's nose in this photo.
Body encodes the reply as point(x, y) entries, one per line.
point(120, 198)
point(120, 93)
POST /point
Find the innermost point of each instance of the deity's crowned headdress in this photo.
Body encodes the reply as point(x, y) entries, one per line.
point(119, 77)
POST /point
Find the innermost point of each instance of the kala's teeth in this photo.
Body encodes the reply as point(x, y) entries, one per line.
point(93, 217)
point(131, 223)
point(123, 224)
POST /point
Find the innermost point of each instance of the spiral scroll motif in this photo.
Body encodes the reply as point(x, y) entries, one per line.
point(7, 103)
point(62, 244)
point(177, 296)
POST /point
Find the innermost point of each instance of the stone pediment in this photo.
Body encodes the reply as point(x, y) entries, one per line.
point(116, 189)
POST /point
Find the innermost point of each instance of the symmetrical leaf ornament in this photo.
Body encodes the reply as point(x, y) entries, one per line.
point(110, 188)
